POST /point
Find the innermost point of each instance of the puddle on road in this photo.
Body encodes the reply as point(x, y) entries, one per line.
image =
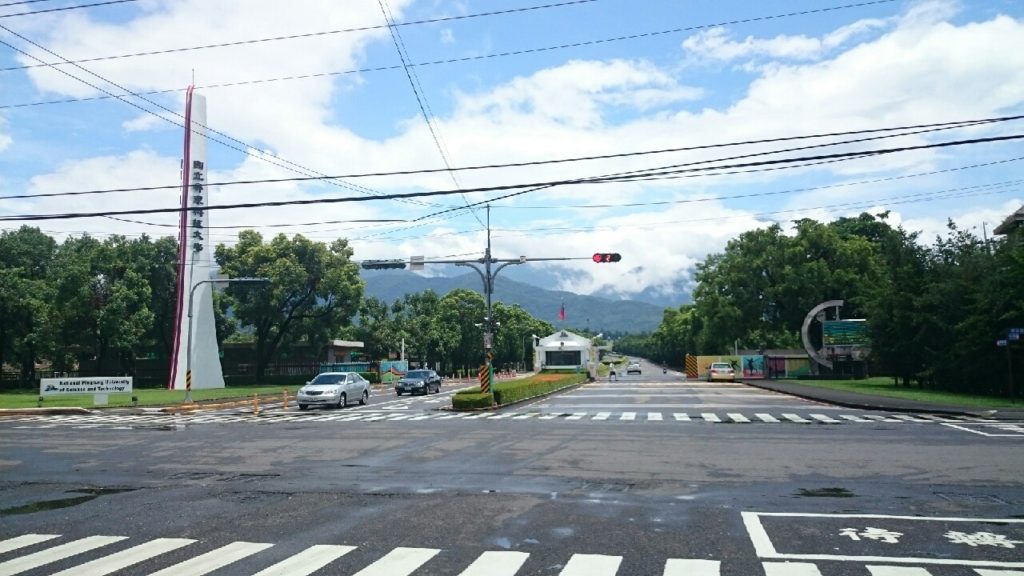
point(90, 494)
point(825, 493)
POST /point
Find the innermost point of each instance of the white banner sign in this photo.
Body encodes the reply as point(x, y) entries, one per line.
point(101, 385)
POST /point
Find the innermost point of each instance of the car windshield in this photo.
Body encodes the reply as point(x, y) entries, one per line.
point(328, 379)
point(420, 374)
point(721, 366)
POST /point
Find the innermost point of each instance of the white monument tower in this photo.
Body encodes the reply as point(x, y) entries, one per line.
point(195, 335)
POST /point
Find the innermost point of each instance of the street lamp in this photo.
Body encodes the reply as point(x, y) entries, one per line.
point(188, 347)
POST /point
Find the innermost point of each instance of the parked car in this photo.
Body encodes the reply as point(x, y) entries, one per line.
point(633, 368)
point(418, 382)
point(721, 371)
point(334, 389)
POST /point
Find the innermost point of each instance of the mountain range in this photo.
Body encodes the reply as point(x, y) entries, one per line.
point(592, 313)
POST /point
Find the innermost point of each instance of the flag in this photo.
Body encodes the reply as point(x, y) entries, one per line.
point(561, 311)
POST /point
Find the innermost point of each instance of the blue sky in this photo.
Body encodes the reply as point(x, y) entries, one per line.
point(691, 73)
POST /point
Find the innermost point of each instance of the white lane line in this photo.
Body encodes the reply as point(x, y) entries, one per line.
point(795, 418)
point(987, 572)
point(214, 559)
point(710, 417)
point(450, 416)
point(681, 416)
point(502, 416)
point(399, 562)
point(551, 416)
point(941, 418)
point(591, 565)
point(853, 418)
point(24, 540)
point(602, 415)
point(738, 418)
point(908, 418)
point(44, 557)
point(577, 416)
point(628, 416)
point(687, 567)
point(897, 571)
point(790, 569)
point(427, 417)
point(767, 418)
point(526, 415)
point(877, 418)
point(397, 417)
point(476, 416)
point(654, 416)
point(825, 419)
point(496, 564)
point(125, 558)
point(308, 561)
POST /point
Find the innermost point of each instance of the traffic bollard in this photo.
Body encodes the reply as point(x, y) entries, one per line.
point(284, 393)
point(256, 404)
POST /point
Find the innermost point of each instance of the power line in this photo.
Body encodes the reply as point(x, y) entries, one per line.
point(298, 36)
point(108, 2)
point(948, 125)
point(4, 5)
point(535, 50)
point(530, 187)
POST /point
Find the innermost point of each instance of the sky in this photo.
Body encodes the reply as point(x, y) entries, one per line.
point(734, 105)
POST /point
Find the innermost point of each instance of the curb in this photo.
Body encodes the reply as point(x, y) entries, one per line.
point(869, 406)
point(496, 407)
point(38, 411)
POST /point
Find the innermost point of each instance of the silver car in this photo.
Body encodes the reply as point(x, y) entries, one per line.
point(334, 389)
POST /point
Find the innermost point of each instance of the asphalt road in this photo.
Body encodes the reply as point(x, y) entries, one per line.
point(608, 478)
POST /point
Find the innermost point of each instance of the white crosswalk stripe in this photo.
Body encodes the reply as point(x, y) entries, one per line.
point(767, 418)
point(795, 418)
point(740, 418)
point(681, 417)
point(602, 415)
point(654, 416)
point(400, 561)
point(710, 417)
point(628, 416)
point(825, 419)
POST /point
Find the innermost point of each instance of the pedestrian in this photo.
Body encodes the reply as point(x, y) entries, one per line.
point(611, 373)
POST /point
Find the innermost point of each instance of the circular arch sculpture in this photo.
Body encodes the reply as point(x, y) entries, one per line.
point(805, 336)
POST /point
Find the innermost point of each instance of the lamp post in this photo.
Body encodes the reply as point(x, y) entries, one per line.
point(188, 346)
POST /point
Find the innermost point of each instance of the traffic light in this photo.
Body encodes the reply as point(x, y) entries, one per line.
point(603, 257)
point(383, 264)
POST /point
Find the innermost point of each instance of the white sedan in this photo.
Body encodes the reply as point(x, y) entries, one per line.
point(334, 389)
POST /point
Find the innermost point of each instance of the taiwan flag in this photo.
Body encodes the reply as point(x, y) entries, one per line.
point(561, 311)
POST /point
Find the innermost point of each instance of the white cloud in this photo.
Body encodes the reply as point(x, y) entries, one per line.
point(5, 139)
point(447, 36)
point(716, 43)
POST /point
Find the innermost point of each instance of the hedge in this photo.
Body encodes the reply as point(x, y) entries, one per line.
point(509, 392)
point(470, 400)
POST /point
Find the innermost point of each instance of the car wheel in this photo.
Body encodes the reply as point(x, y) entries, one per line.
point(303, 406)
point(342, 400)
point(365, 398)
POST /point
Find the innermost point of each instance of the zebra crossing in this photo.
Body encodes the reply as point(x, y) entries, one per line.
point(636, 416)
point(46, 550)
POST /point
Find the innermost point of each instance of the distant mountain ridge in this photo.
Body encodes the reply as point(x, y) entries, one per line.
point(582, 312)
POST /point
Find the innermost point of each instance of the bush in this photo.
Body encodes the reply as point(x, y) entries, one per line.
point(470, 400)
point(509, 392)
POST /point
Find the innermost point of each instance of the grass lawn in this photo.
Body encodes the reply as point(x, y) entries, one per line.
point(883, 386)
point(147, 397)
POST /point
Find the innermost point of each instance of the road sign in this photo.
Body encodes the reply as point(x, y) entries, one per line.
point(1001, 343)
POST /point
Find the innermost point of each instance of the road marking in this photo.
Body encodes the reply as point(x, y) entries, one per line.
point(26, 540)
point(576, 416)
point(681, 417)
point(767, 418)
point(399, 562)
point(795, 418)
point(551, 416)
point(654, 416)
point(825, 419)
point(525, 416)
point(878, 418)
point(591, 565)
point(908, 418)
point(987, 572)
point(710, 417)
point(125, 558)
point(738, 418)
point(44, 557)
point(602, 415)
point(496, 564)
point(308, 561)
point(686, 567)
point(897, 571)
point(853, 418)
point(628, 416)
point(790, 569)
point(427, 417)
point(450, 416)
point(214, 559)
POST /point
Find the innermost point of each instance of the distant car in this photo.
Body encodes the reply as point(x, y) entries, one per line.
point(633, 368)
point(334, 389)
point(721, 371)
point(418, 382)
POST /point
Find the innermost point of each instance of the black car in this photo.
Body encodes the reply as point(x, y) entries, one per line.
point(418, 382)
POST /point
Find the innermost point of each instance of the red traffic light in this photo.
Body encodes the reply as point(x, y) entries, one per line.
point(602, 257)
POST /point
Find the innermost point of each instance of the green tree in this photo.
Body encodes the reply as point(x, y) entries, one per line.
point(314, 290)
point(26, 329)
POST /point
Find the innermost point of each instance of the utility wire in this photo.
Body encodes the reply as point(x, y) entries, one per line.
point(421, 97)
point(4, 5)
point(61, 9)
point(244, 149)
point(298, 36)
point(530, 187)
point(939, 125)
point(535, 50)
